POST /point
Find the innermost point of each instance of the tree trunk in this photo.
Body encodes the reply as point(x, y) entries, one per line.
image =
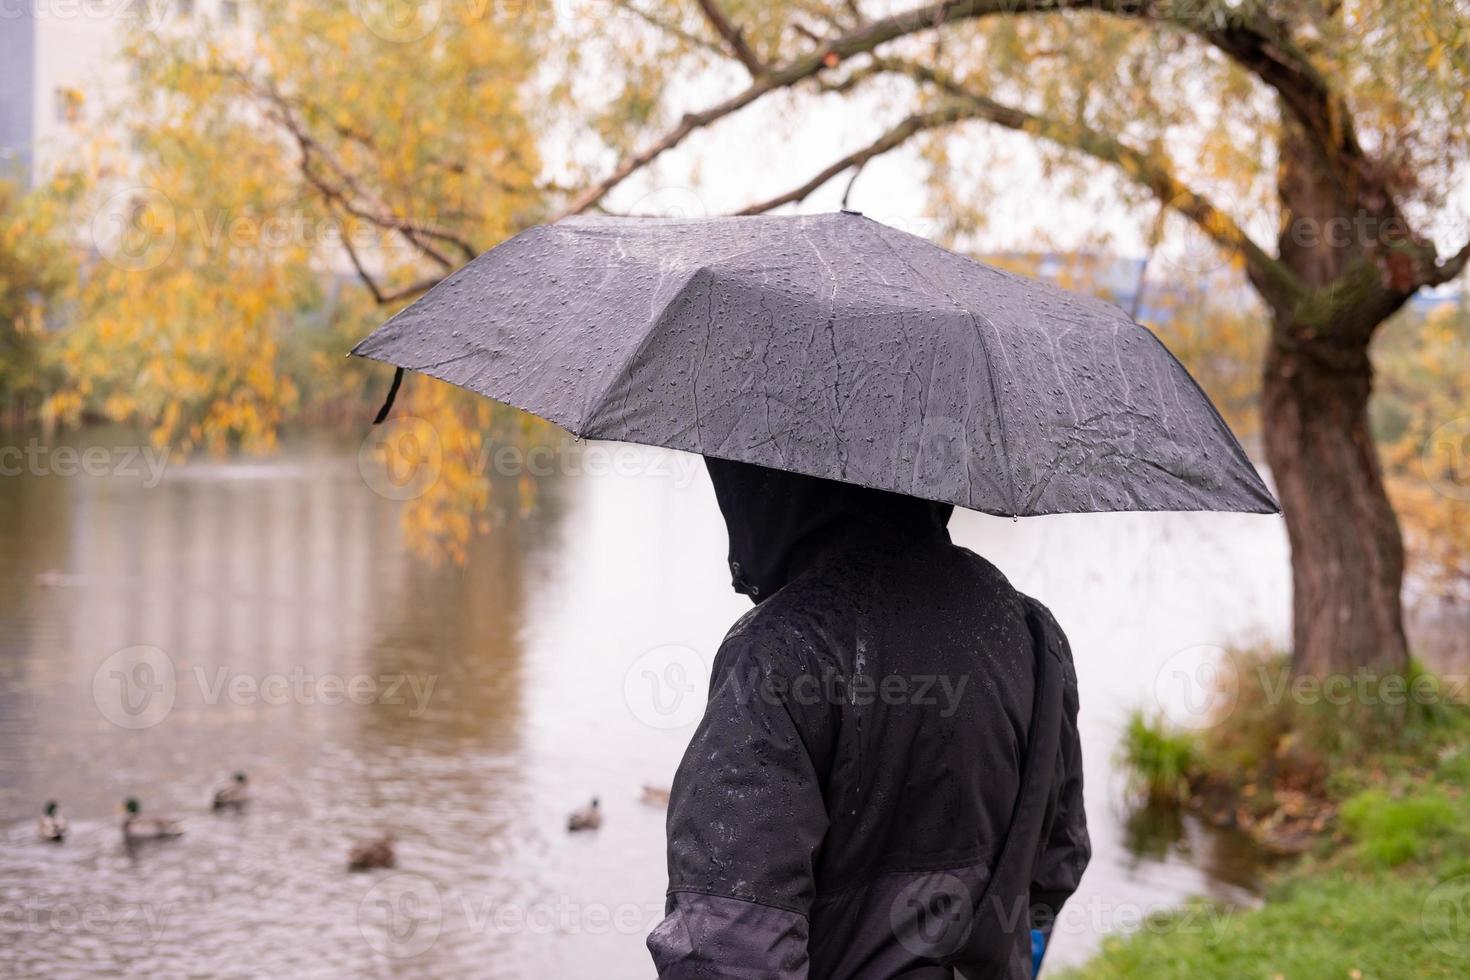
point(1347, 554)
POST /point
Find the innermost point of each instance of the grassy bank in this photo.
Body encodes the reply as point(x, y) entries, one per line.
point(1370, 786)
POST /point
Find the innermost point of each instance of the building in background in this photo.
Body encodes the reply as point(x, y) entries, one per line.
point(58, 65)
point(60, 69)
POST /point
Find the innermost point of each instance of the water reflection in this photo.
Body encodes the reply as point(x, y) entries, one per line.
point(465, 710)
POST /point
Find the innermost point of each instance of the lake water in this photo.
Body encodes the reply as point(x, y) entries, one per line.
point(267, 616)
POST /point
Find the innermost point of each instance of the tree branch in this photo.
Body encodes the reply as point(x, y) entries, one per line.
point(1276, 283)
point(732, 36)
point(672, 29)
point(379, 296)
point(863, 38)
point(1256, 43)
point(351, 196)
point(1449, 268)
point(891, 139)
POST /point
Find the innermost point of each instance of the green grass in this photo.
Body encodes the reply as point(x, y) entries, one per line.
point(1159, 761)
point(1315, 926)
point(1390, 832)
point(1387, 893)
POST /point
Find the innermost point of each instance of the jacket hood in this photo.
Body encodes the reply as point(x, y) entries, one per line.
point(778, 520)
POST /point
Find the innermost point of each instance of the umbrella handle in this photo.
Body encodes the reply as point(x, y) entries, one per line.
point(392, 394)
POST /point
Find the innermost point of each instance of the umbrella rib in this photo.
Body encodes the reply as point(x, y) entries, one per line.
point(600, 401)
point(1000, 422)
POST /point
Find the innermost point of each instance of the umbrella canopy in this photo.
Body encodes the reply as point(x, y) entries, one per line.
point(835, 346)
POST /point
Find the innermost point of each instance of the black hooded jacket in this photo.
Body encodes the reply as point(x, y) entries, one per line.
point(887, 778)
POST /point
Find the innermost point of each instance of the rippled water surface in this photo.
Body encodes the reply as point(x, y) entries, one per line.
point(466, 710)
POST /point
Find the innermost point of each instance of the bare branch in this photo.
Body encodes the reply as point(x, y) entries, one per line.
point(806, 32)
point(1257, 44)
point(1449, 268)
point(892, 138)
point(379, 296)
point(1277, 283)
point(732, 36)
point(863, 38)
point(350, 194)
point(669, 27)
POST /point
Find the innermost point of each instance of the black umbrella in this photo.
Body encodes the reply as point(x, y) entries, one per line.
point(834, 346)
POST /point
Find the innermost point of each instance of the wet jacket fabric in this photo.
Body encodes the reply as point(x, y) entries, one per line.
point(887, 779)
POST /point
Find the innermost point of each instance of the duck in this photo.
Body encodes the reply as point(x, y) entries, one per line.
point(655, 795)
point(147, 826)
point(587, 818)
point(234, 794)
point(376, 853)
point(53, 824)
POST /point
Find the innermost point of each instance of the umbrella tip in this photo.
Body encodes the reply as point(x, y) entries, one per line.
point(851, 211)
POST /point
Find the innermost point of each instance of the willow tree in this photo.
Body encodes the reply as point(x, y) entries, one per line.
point(263, 166)
point(1338, 127)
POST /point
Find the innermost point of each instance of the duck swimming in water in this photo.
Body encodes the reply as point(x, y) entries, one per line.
point(235, 793)
point(138, 826)
point(655, 795)
point(53, 824)
point(378, 853)
point(587, 818)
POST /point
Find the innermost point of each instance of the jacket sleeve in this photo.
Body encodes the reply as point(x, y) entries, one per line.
point(746, 820)
point(1065, 847)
